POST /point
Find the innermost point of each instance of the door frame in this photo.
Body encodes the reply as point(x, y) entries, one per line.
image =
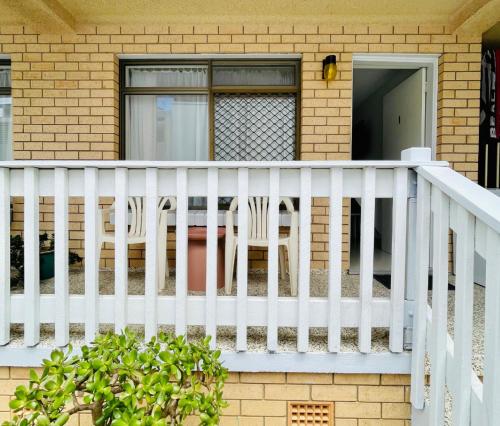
point(408, 61)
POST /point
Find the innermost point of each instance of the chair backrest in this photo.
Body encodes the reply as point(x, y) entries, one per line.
point(137, 206)
point(258, 215)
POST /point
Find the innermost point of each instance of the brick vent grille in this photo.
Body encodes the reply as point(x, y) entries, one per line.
point(310, 414)
point(255, 127)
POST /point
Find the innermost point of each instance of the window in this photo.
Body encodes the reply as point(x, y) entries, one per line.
point(200, 110)
point(5, 111)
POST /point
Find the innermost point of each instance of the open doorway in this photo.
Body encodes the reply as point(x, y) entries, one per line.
point(393, 109)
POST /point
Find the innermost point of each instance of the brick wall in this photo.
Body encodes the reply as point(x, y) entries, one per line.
point(261, 399)
point(65, 90)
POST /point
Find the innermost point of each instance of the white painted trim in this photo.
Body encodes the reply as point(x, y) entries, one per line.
point(184, 56)
point(343, 362)
point(393, 60)
point(4, 56)
point(410, 61)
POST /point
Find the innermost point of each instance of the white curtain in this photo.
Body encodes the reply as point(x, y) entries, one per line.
point(167, 76)
point(5, 128)
point(253, 76)
point(167, 127)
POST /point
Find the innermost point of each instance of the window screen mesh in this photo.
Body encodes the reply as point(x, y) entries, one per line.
point(254, 127)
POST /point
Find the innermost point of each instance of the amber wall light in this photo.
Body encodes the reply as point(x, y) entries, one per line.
point(330, 68)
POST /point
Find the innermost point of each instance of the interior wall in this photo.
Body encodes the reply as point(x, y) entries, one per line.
point(367, 136)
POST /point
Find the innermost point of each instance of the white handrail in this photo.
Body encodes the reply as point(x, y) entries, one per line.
point(477, 200)
point(106, 164)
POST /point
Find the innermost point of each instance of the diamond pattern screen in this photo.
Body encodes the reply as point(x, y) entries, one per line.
point(255, 127)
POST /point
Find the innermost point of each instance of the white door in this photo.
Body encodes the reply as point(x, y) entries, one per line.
point(403, 127)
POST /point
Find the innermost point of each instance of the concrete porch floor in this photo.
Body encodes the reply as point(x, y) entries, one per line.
point(257, 286)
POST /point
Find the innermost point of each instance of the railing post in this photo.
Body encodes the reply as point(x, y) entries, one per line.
point(412, 154)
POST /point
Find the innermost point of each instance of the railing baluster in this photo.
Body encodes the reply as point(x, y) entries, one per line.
point(91, 260)
point(366, 259)
point(151, 278)
point(464, 297)
point(4, 255)
point(304, 260)
point(181, 253)
point(272, 275)
point(31, 257)
point(61, 256)
point(398, 258)
point(335, 259)
point(121, 248)
point(212, 240)
point(491, 388)
point(242, 262)
point(440, 208)
point(422, 278)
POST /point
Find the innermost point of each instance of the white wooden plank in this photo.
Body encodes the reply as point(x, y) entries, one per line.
point(440, 208)
point(242, 261)
point(134, 164)
point(121, 248)
point(61, 278)
point(421, 260)
point(335, 259)
point(4, 255)
point(398, 258)
point(212, 240)
point(491, 388)
point(91, 260)
point(343, 362)
point(304, 259)
point(226, 312)
point(151, 278)
point(31, 257)
point(181, 252)
point(366, 259)
point(272, 270)
point(464, 298)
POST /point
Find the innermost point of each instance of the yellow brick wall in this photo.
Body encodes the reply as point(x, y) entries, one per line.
point(261, 399)
point(65, 90)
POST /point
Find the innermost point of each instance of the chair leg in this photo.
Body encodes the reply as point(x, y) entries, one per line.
point(230, 256)
point(163, 270)
point(98, 255)
point(281, 250)
point(162, 262)
point(293, 264)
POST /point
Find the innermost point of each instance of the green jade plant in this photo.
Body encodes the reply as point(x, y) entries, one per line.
point(123, 382)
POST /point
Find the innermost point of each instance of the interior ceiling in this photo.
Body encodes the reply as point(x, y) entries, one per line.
point(368, 81)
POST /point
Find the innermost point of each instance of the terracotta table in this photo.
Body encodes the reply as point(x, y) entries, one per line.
point(197, 258)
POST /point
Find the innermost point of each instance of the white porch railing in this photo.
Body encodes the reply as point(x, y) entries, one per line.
point(448, 201)
point(417, 187)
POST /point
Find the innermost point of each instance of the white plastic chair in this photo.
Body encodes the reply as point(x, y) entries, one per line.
point(137, 230)
point(258, 220)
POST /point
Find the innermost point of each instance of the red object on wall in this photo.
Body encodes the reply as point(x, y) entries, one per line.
point(497, 92)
